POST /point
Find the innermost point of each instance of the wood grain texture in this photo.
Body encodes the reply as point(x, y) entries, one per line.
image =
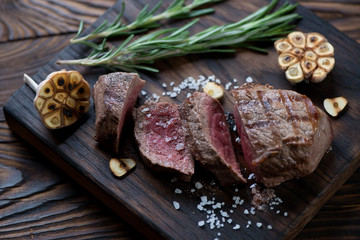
point(22, 19)
point(31, 191)
point(341, 213)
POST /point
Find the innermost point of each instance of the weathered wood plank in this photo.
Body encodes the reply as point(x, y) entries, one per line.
point(159, 214)
point(344, 203)
point(36, 202)
point(21, 19)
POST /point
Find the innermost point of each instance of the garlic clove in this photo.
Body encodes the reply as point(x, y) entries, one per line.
point(59, 79)
point(318, 75)
point(45, 89)
point(81, 91)
point(294, 73)
point(324, 50)
point(297, 39)
point(310, 55)
point(282, 45)
point(314, 39)
point(334, 106)
point(83, 107)
point(214, 90)
point(308, 67)
point(327, 63)
point(119, 167)
point(50, 105)
point(286, 59)
point(53, 120)
point(298, 52)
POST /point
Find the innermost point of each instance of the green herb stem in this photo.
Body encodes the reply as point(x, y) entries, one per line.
point(133, 55)
point(145, 20)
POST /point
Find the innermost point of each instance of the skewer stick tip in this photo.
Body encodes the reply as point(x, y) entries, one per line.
point(30, 82)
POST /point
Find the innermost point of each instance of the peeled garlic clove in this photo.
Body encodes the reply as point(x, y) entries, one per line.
point(286, 59)
point(334, 106)
point(327, 63)
point(314, 39)
point(324, 50)
point(294, 73)
point(119, 167)
point(282, 45)
point(318, 75)
point(214, 90)
point(307, 67)
point(297, 39)
point(61, 98)
point(310, 55)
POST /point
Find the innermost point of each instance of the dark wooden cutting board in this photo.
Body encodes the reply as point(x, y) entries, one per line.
point(145, 199)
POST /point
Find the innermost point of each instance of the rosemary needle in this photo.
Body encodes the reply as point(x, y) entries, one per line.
point(137, 54)
point(144, 21)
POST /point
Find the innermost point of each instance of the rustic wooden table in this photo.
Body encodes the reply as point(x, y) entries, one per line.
point(39, 202)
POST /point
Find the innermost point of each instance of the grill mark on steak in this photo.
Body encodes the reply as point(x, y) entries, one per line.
point(288, 106)
point(283, 134)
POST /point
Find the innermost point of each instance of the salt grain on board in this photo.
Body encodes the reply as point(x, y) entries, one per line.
point(198, 185)
point(249, 79)
point(236, 227)
point(176, 205)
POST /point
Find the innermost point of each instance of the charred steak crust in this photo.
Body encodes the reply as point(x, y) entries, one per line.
point(283, 134)
point(161, 139)
point(115, 95)
point(208, 137)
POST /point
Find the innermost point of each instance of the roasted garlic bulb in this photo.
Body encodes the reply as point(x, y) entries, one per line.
point(305, 56)
point(61, 98)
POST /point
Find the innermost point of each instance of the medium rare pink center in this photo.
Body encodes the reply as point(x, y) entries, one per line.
point(165, 138)
point(219, 134)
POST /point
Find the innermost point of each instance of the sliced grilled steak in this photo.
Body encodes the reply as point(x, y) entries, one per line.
point(114, 95)
point(283, 134)
point(209, 137)
point(161, 139)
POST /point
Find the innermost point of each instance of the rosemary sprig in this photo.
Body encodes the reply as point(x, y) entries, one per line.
point(144, 21)
point(134, 55)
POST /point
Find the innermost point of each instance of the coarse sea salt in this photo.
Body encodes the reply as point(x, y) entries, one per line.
point(198, 185)
point(249, 79)
point(236, 227)
point(176, 205)
point(178, 191)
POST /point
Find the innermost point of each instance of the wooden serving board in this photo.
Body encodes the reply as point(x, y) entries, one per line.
point(145, 199)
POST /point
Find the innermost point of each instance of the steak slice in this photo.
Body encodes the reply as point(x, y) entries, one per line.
point(114, 95)
point(161, 139)
point(209, 137)
point(283, 134)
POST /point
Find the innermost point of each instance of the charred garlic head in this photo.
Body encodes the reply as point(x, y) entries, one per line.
point(61, 98)
point(305, 56)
